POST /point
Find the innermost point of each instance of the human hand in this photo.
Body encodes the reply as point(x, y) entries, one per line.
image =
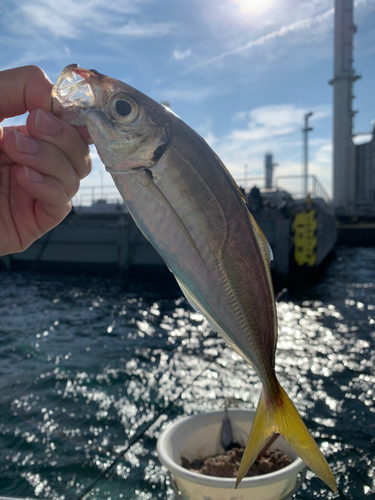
point(41, 163)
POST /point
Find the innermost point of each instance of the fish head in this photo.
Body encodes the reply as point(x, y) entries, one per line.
point(129, 129)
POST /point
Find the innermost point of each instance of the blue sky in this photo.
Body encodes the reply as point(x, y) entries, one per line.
point(240, 72)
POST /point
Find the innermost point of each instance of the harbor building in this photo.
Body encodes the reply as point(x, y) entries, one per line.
point(353, 163)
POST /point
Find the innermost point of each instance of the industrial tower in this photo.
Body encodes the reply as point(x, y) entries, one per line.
point(353, 165)
point(344, 157)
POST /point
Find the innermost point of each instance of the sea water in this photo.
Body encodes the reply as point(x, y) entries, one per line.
point(86, 363)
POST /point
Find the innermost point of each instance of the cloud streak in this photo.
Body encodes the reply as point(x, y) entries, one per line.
point(181, 54)
point(282, 32)
point(70, 20)
point(313, 21)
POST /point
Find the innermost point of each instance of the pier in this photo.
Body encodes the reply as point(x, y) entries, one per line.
point(99, 235)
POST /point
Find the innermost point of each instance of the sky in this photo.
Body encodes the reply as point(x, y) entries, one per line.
point(242, 73)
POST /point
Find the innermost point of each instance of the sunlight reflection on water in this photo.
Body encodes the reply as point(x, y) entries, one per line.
point(85, 363)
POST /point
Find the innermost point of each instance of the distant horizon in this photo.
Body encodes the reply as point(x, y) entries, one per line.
point(241, 73)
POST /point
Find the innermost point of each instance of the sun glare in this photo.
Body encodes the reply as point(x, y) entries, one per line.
point(255, 7)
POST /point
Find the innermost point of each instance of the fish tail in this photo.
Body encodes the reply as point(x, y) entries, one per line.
point(280, 415)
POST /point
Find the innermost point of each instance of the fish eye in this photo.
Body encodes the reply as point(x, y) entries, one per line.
point(123, 108)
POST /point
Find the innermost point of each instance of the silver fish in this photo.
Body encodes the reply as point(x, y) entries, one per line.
point(187, 205)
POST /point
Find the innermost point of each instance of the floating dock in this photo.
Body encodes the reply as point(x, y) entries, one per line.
point(104, 237)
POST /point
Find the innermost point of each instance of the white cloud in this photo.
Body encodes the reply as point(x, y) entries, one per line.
point(276, 129)
point(59, 18)
point(70, 19)
point(267, 122)
point(145, 30)
point(180, 55)
point(362, 138)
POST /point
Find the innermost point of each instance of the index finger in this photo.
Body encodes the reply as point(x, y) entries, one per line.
point(23, 89)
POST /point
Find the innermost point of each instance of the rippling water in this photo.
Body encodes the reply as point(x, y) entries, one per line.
point(86, 362)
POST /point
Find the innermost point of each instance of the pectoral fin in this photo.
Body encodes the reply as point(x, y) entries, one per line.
point(148, 182)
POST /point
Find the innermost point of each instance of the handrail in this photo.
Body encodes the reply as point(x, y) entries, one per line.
point(316, 191)
point(88, 195)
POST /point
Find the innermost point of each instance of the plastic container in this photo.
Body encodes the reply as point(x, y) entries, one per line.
point(198, 436)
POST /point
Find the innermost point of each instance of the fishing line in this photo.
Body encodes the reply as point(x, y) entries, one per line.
point(136, 437)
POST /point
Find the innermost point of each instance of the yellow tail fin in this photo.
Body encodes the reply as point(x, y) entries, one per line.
point(282, 416)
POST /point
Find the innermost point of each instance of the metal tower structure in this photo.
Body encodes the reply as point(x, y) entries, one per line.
point(344, 162)
point(269, 165)
point(306, 129)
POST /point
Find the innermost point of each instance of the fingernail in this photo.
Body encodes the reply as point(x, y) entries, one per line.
point(24, 144)
point(33, 175)
point(46, 124)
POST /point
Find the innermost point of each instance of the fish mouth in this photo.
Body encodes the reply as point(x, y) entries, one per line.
point(73, 94)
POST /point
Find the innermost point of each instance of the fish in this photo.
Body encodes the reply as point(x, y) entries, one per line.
point(186, 203)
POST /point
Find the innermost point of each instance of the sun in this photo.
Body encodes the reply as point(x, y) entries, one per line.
point(255, 7)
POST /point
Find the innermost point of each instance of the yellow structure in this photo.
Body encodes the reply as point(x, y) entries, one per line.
point(305, 240)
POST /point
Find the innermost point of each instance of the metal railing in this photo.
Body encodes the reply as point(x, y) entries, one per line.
point(89, 195)
point(314, 187)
